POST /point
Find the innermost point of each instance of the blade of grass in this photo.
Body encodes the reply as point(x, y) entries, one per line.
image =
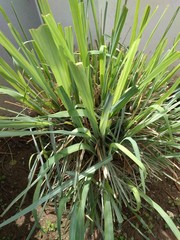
point(135, 23)
point(31, 70)
point(129, 154)
point(54, 56)
point(62, 203)
point(108, 221)
point(80, 132)
point(81, 35)
point(137, 154)
point(82, 83)
point(128, 63)
point(163, 214)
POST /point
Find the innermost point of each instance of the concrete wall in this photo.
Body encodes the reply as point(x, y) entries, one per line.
point(172, 7)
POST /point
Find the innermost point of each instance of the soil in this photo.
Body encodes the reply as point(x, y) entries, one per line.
point(14, 162)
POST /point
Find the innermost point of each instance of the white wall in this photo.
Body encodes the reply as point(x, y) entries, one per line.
point(173, 5)
point(28, 16)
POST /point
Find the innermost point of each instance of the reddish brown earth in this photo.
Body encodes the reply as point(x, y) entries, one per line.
point(14, 160)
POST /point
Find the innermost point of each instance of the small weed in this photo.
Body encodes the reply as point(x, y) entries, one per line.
point(13, 162)
point(177, 201)
point(50, 227)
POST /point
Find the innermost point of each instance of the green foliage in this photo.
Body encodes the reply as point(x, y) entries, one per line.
point(49, 227)
point(107, 117)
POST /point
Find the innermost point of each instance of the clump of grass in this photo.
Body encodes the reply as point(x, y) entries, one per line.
point(110, 117)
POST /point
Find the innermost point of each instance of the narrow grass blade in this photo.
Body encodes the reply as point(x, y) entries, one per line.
point(129, 154)
point(59, 36)
point(80, 232)
point(4, 15)
point(81, 34)
point(163, 214)
point(137, 197)
point(124, 99)
point(22, 122)
point(82, 82)
point(162, 66)
point(135, 23)
point(137, 153)
point(54, 56)
point(62, 203)
point(122, 81)
point(68, 103)
point(118, 29)
point(44, 7)
point(95, 18)
point(104, 122)
point(74, 223)
point(108, 221)
point(30, 69)
point(117, 210)
point(19, 21)
point(79, 132)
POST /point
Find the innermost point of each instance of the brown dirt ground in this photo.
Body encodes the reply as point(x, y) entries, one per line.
point(14, 160)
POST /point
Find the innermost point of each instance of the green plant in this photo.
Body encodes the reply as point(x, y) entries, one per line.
point(110, 117)
point(50, 227)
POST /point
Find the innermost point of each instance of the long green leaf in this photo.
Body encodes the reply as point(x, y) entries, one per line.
point(58, 36)
point(31, 70)
point(81, 34)
point(136, 194)
point(48, 165)
point(81, 211)
point(129, 154)
point(44, 7)
point(135, 23)
point(137, 153)
point(108, 222)
point(74, 223)
point(163, 214)
point(62, 204)
point(80, 132)
point(160, 67)
point(128, 63)
point(54, 56)
point(70, 107)
point(81, 80)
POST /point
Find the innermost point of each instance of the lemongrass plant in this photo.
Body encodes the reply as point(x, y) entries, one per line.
point(110, 117)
